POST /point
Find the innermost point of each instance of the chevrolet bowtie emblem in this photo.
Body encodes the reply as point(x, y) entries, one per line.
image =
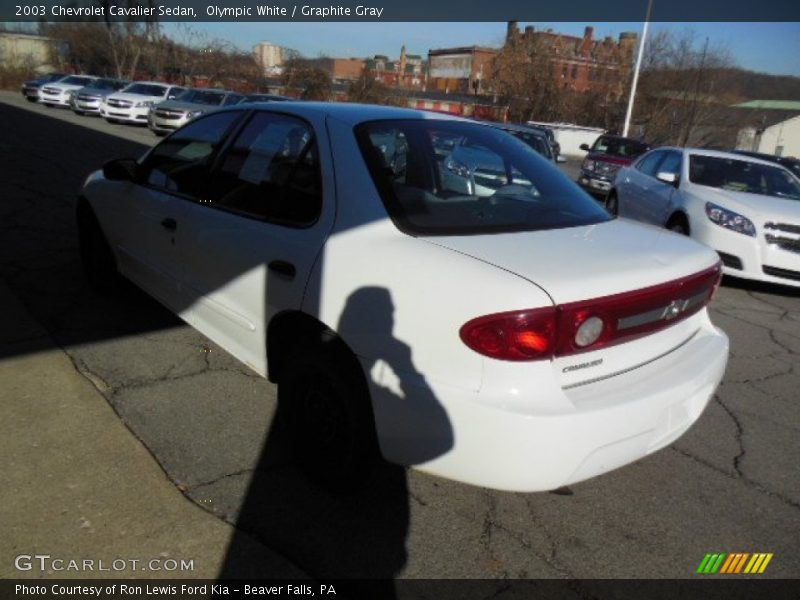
point(675, 308)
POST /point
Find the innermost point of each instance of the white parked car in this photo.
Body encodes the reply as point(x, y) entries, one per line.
point(518, 338)
point(132, 103)
point(746, 209)
point(59, 92)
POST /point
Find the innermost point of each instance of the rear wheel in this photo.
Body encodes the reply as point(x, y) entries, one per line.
point(612, 203)
point(325, 404)
point(31, 98)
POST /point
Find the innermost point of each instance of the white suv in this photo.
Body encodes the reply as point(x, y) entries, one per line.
point(132, 104)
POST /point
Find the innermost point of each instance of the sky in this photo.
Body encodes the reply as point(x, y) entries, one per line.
point(766, 47)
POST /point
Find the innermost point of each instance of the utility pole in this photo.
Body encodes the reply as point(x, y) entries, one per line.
point(629, 112)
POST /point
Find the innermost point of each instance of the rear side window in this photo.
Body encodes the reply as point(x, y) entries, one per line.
point(181, 162)
point(459, 178)
point(271, 172)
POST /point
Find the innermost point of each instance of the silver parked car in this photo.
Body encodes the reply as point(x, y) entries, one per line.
point(167, 116)
point(88, 99)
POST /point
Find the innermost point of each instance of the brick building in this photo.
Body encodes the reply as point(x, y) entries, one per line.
point(583, 64)
point(409, 72)
point(462, 70)
point(340, 69)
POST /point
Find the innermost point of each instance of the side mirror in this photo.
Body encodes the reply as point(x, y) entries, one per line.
point(670, 178)
point(561, 158)
point(585, 147)
point(123, 169)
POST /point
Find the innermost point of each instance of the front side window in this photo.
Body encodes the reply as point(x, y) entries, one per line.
point(648, 163)
point(456, 178)
point(181, 163)
point(671, 163)
point(271, 172)
point(742, 176)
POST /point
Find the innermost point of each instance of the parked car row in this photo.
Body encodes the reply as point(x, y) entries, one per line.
point(744, 205)
point(161, 106)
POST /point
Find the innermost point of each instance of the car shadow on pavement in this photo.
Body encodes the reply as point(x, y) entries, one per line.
point(358, 533)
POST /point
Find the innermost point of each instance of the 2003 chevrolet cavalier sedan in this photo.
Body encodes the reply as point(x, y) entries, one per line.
point(486, 322)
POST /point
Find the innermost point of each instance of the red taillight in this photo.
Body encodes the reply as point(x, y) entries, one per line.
point(519, 335)
point(544, 333)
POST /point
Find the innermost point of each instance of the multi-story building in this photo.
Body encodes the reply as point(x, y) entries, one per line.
point(270, 56)
point(582, 64)
point(407, 72)
point(341, 70)
point(463, 70)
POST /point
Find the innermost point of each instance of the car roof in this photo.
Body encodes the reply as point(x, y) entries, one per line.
point(724, 154)
point(349, 113)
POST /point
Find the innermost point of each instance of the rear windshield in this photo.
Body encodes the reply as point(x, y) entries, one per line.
point(202, 97)
point(537, 142)
point(458, 178)
point(619, 147)
point(146, 89)
point(743, 176)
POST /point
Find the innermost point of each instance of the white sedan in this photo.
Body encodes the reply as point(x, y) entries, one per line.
point(746, 209)
point(58, 93)
point(519, 340)
point(132, 103)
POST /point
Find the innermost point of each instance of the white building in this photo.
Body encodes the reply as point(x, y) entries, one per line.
point(777, 130)
point(24, 50)
point(270, 57)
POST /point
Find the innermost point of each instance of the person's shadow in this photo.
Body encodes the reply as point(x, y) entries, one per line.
point(359, 534)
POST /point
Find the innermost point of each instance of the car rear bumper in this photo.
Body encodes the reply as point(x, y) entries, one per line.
point(603, 425)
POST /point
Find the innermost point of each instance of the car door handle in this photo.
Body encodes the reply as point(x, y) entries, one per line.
point(170, 224)
point(283, 268)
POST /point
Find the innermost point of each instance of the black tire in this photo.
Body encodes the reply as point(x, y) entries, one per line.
point(79, 112)
point(612, 203)
point(31, 99)
point(97, 259)
point(325, 406)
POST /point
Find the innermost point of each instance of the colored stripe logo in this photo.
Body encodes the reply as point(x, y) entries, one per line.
point(736, 562)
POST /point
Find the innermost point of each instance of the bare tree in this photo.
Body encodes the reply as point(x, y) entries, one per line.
point(301, 74)
point(682, 88)
point(523, 76)
point(367, 89)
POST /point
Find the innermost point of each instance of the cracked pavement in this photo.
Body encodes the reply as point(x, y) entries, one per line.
point(731, 484)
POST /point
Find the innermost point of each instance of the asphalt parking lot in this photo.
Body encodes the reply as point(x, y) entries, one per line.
point(732, 484)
